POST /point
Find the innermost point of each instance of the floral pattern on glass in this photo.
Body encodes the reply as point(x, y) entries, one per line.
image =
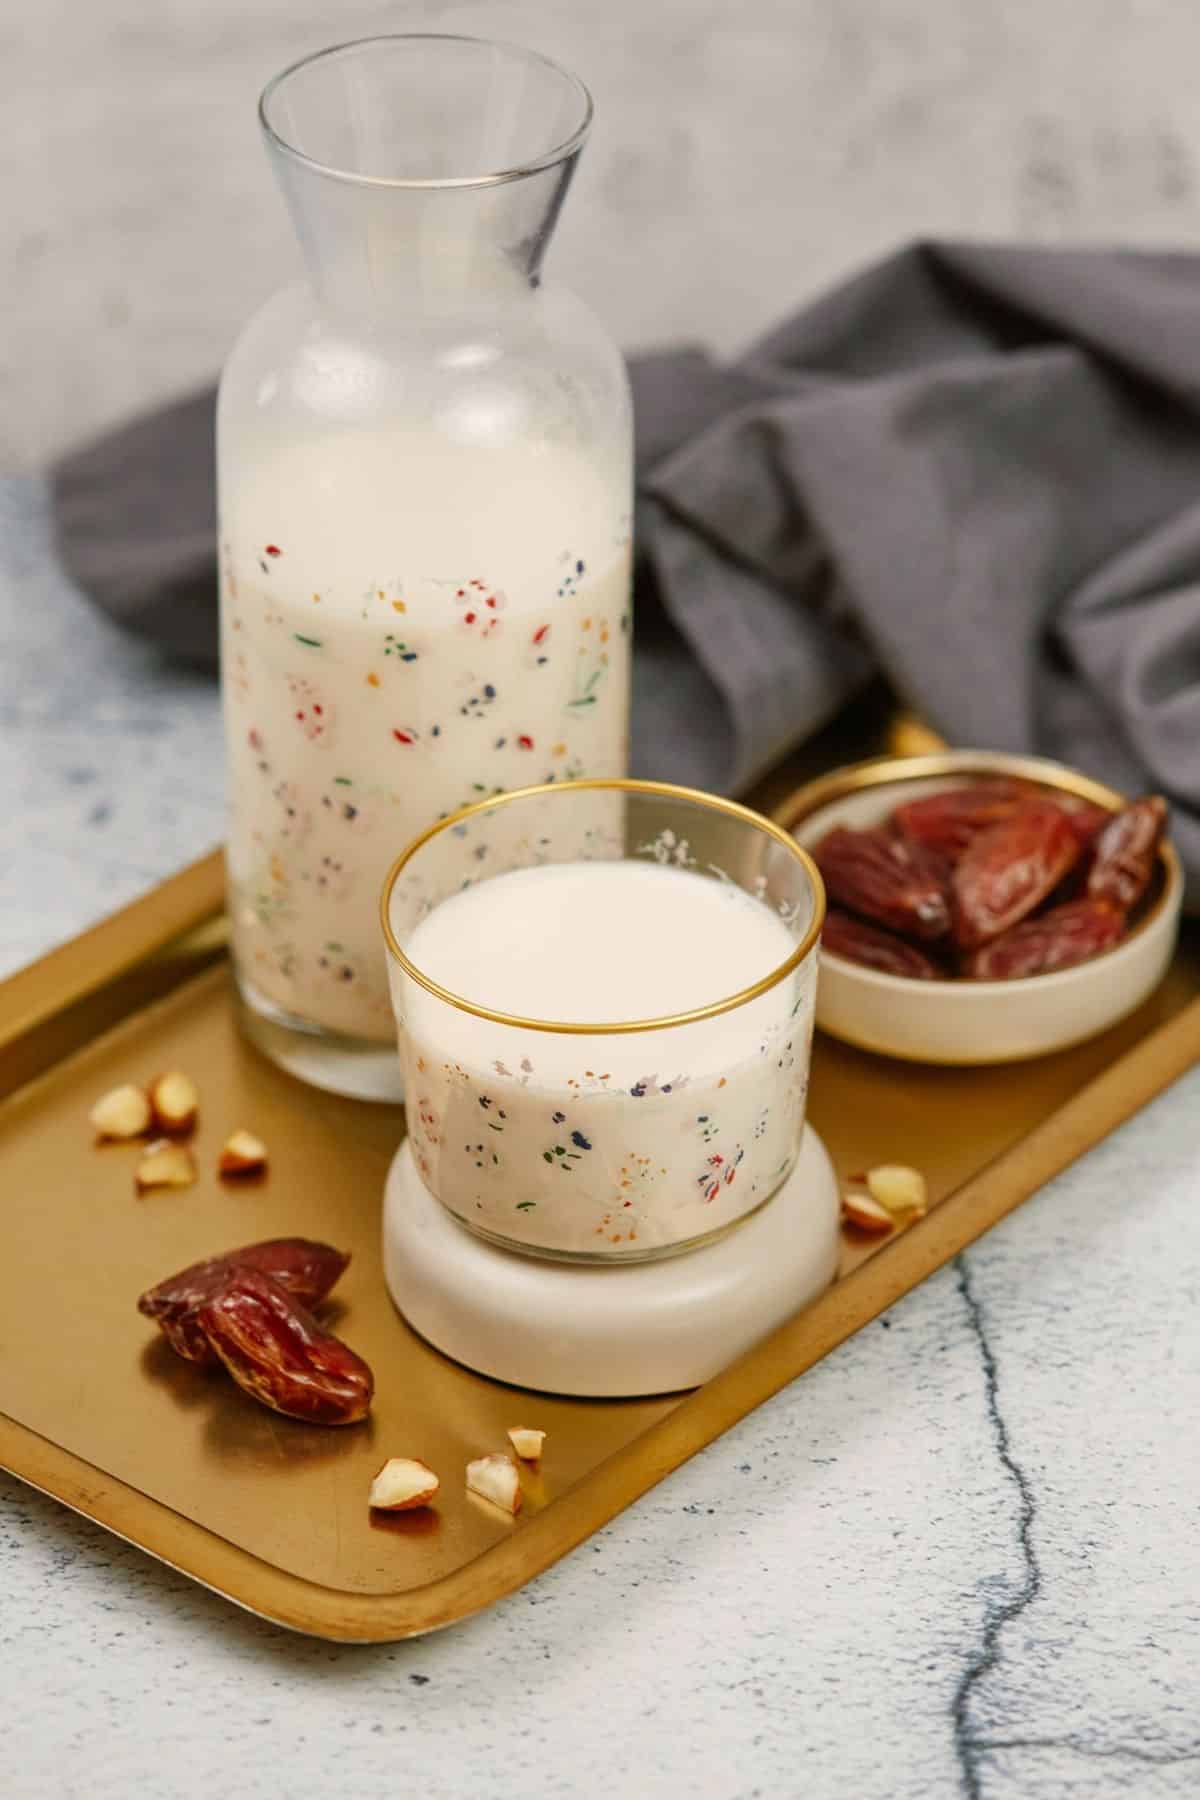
point(609, 1168)
point(431, 693)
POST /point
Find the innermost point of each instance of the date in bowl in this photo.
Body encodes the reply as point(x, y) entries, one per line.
point(951, 1009)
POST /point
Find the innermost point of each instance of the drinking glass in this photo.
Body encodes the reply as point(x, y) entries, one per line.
point(598, 1137)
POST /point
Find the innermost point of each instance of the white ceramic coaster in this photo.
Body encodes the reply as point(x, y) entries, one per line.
point(646, 1328)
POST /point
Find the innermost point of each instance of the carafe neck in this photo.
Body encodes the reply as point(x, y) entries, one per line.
point(374, 249)
point(424, 171)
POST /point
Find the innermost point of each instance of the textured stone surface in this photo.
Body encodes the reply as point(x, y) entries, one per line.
point(111, 762)
point(743, 155)
point(958, 1557)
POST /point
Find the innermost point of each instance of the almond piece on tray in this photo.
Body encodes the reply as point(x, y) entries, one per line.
point(176, 1103)
point(495, 1478)
point(526, 1442)
point(404, 1482)
point(901, 1190)
point(125, 1112)
point(165, 1165)
point(242, 1154)
point(866, 1214)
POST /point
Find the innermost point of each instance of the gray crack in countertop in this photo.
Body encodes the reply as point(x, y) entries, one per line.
point(959, 1557)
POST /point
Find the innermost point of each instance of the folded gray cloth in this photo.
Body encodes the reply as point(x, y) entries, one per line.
point(974, 469)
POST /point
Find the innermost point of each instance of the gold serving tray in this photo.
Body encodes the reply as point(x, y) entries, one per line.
point(96, 1410)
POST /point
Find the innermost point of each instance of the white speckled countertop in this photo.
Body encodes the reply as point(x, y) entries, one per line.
point(960, 1557)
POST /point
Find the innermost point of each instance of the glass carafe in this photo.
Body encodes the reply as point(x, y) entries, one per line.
point(424, 471)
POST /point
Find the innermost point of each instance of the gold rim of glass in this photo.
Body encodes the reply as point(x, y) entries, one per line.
point(627, 785)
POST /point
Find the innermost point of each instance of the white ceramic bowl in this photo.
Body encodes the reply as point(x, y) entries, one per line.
point(977, 1021)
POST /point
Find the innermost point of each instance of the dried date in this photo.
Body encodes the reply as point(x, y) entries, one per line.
point(874, 947)
point(1126, 851)
point(305, 1269)
point(1086, 820)
point(887, 878)
point(1009, 869)
point(1036, 881)
point(946, 822)
point(1057, 939)
point(277, 1352)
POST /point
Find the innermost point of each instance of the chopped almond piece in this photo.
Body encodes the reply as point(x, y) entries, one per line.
point(495, 1478)
point(243, 1154)
point(403, 1482)
point(901, 1190)
point(176, 1103)
point(125, 1112)
point(165, 1164)
point(865, 1214)
point(526, 1443)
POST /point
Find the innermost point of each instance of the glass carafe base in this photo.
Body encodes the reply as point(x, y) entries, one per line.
point(359, 1068)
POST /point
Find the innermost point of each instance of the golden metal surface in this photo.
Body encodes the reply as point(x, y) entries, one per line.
point(730, 809)
point(272, 1513)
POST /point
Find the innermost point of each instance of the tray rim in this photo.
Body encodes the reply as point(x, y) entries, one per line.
point(190, 903)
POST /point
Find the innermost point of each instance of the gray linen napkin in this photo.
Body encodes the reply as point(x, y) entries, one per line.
point(975, 469)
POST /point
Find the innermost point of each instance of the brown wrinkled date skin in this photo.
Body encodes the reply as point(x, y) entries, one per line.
point(277, 1352)
point(874, 947)
point(1057, 939)
point(305, 1269)
point(1126, 851)
point(887, 878)
point(1028, 880)
point(1086, 820)
point(946, 822)
point(1009, 869)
